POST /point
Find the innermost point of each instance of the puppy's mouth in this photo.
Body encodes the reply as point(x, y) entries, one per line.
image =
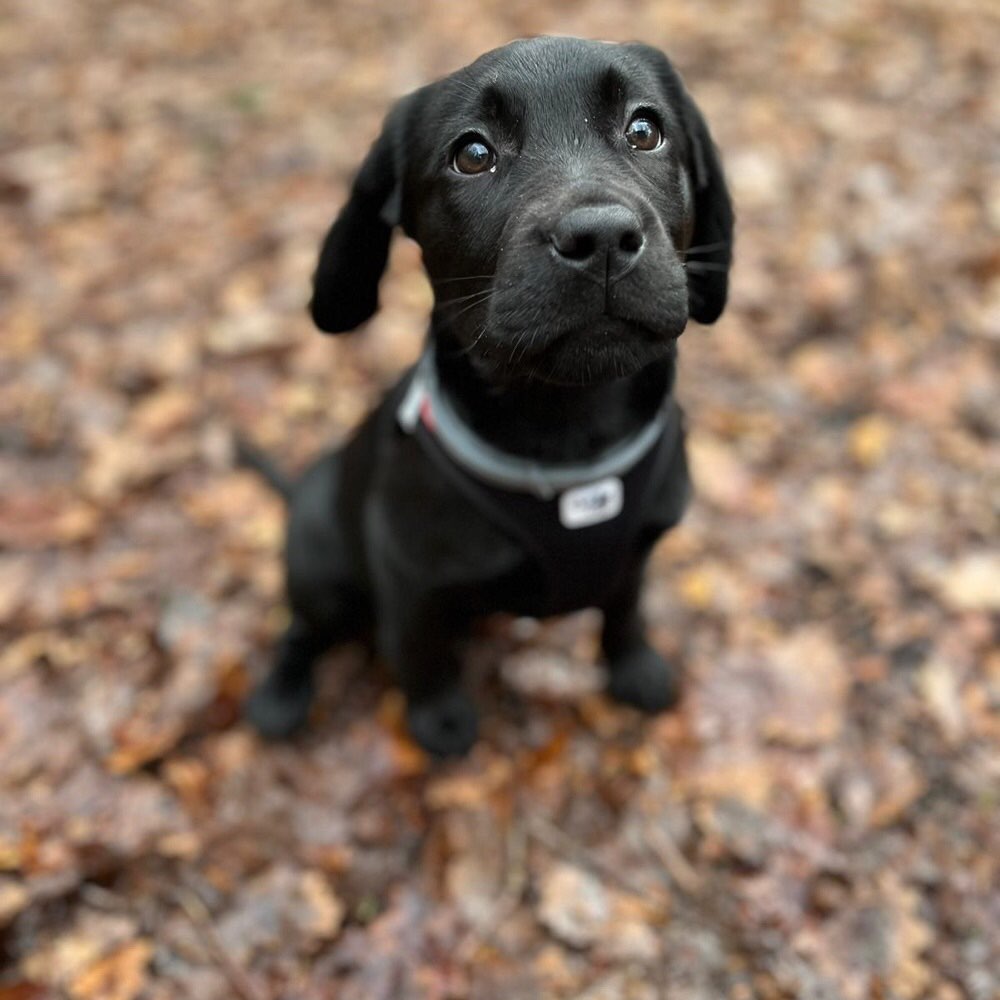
point(606, 348)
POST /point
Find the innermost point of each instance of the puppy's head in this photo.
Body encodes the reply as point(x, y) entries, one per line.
point(569, 203)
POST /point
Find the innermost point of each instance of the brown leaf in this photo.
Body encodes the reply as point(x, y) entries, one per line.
point(471, 787)
point(282, 907)
point(321, 913)
point(68, 955)
point(715, 466)
point(119, 976)
point(869, 439)
point(14, 897)
point(25, 991)
point(809, 689)
point(938, 687)
point(163, 413)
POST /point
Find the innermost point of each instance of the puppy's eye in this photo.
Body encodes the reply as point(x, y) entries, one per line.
point(473, 156)
point(643, 133)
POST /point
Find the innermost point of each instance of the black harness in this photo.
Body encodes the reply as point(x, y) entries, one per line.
point(580, 523)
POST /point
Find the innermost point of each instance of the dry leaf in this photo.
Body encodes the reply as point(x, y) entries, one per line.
point(721, 477)
point(14, 897)
point(972, 583)
point(869, 439)
point(119, 976)
point(939, 689)
point(574, 905)
point(69, 955)
point(809, 689)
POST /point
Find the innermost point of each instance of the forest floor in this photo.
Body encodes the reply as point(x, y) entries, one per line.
point(820, 818)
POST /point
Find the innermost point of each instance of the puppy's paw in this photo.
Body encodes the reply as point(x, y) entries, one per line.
point(277, 711)
point(445, 726)
point(644, 679)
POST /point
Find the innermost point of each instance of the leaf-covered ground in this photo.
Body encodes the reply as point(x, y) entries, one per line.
point(820, 817)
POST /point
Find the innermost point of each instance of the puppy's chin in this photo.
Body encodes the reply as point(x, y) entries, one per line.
point(604, 351)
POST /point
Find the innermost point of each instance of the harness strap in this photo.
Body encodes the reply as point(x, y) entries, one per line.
point(581, 557)
point(424, 402)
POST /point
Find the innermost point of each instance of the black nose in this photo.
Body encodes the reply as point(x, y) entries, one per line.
point(604, 241)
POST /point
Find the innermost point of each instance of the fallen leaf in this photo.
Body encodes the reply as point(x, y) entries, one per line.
point(68, 955)
point(574, 905)
point(722, 479)
point(470, 787)
point(551, 674)
point(939, 688)
point(869, 439)
point(808, 683)
point(972, 583)
point(119, 976)
point(321, 913)
point(14, 897)
point(163, 413)
point(281, 907)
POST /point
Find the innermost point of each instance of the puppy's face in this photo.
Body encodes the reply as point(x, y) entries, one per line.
point(555, 187)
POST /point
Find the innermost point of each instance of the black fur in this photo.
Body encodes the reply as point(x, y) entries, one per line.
point(562, 279)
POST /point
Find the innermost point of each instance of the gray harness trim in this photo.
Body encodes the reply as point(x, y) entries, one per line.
point(511, 472)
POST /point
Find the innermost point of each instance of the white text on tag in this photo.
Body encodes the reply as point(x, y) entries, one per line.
point(591, 504)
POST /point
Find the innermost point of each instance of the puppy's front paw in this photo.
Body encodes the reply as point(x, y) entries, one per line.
point(644, 679)
point(445, 726)
point(277, 711)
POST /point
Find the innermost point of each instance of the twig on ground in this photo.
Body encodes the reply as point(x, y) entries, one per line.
point(200, 917)
point(680, 870)
point(515, 881)
point(555, 840)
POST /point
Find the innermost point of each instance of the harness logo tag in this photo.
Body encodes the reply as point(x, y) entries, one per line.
point(594, 503)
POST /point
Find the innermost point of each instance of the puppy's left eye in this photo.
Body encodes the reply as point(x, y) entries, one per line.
point(473, 156)
point(643, 133)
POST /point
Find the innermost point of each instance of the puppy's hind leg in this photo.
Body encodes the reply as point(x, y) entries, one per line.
point(329, 604)
point(638, 675)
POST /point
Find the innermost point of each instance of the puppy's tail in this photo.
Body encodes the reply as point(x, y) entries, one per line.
point(250, 456)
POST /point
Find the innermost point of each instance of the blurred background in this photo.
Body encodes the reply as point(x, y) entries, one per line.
point(817, 820)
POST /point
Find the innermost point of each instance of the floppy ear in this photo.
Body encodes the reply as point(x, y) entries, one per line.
point(355, 250)
point(712, 239)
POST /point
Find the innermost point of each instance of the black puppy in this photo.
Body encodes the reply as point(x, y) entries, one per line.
point(572, 214)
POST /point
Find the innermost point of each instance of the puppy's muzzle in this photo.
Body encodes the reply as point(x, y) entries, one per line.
point(602, 242)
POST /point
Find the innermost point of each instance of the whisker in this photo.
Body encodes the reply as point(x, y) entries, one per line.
point(462, 351)
point(483, 297)
point(466, 277)
point(482, 293)
point(525, 246)
point(529, 343)
point(705, 265)
point(522, 338)
point(706, 248)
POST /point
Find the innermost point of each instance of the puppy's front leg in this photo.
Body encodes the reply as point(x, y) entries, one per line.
point(638, 675)
point(418, 637)
point(280, 703)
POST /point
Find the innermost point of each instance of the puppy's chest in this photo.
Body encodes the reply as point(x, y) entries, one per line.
point(581, 541)
point(571, 549)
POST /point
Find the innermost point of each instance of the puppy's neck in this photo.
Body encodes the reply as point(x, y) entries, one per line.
point(552, 423)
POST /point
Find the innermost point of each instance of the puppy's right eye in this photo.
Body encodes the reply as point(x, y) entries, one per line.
point(473, 156)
